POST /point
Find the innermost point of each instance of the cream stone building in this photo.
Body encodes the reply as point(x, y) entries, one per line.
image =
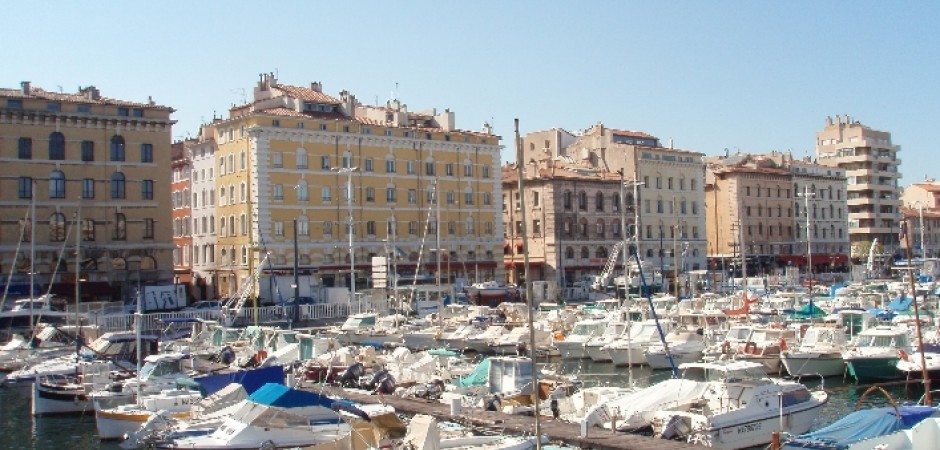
point(288, 156)
point(871, 162)
point(99, 163)
point(573, 187)
point(922, 210)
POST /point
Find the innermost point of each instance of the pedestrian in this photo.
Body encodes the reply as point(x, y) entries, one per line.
point(554, 406)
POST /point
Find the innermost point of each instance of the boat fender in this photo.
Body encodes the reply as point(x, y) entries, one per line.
point(783, 345)
point(750, 347)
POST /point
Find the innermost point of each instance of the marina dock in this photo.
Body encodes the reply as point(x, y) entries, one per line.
point(556, 430)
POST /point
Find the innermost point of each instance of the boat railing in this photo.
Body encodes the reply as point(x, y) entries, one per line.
point(156, 321)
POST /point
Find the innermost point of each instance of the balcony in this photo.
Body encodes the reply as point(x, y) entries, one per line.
point(859, 201)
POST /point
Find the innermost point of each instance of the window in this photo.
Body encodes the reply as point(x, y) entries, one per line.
point(566, 200)
point(582, 201)
point(369, 165)
point(412, 196)
point(88, 188)
point(57, 184)
point(124, 112)
point(146, 153)
point(412, 228)
point(325, 195)
point(599, 201)
point(88, 151)
point(148, 228)
point(120, 227)
point(486, 172)
point(117, 186)
point(279, 228)
point(410, 167)
point(56, 146)
point(302, 159)
point(327, 228)
point(389, 166)
point(277, 160)
point(325, 162)
point(117, 148)
point(390, 195)
point(57, 227)
point(370, 228)
point(243, 225)
point(468, 170)
point(449, 169)
point(146, 190)
point(468, 198)
point(488, 198)
point(25, 148)
point(15, 103)
point(88, 230)
point(279, 192)
point(138, 112)
point(429, 168)
point(370, 194)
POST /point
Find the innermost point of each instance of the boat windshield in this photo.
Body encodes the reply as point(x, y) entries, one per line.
point(586, 329)
point(160, 368)
point(882, 341)
point(738, 334)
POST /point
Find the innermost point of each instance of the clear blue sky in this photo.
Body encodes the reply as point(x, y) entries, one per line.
point(749, 75)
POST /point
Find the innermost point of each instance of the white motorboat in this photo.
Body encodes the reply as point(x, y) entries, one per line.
point(123, 420)
point(875, 352)
point(740, 408)
point(274, 416)
point(819, 353)
point(30, 311)
point(595, 346)
point(49, 341)
point(631, 348)
point(572, 345)
point(423, 433)
point(684, 347)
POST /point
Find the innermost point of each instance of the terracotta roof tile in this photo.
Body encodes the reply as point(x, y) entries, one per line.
point(306, 94)
point(929, 187)
point(631, 133)
point(39, 93)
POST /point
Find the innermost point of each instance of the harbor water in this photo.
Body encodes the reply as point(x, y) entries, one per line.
point(19, 430)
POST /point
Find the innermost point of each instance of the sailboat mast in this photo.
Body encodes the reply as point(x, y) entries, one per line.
point(530, 302)
point(78, 262)
point(32, 252)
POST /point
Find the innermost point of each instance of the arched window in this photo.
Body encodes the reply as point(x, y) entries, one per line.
point(117, 148)
point(601, 252)
point(327, 228)
point(301, 158)
point(302, 192)
point(56, 146)
point(57, 227)
point(57, 184)
point(599, 228)
point(118, 186)
point(649, 253)
point(569, 253)
point(585, 253)
point(303, 226)
point(242, 193)
point(231, 194)
point(88, 230)
point(599, 201)
point(582, 201)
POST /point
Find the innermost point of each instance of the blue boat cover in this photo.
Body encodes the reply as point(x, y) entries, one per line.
point(282, 396)
point(860, 425)
point(900, 304)
point(251, 380)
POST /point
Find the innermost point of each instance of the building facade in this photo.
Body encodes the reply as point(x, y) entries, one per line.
point(290, 156)
point(922, 210)
point(182, 214)
point(871, 162)
point(773, 211)
point(572, 189)
point(101, 162)
point(203, 231)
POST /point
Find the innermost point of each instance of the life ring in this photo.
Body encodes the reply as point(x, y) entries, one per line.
point(726, 348)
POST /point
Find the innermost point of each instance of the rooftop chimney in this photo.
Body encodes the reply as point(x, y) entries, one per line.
point(24, 87)
point(315, 86)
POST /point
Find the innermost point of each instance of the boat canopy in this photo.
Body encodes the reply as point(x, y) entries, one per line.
point(273, 394)
point(864, 424)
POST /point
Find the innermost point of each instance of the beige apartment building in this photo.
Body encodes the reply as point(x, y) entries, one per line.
point(922, 210)
point(871, 162)
point(573, 187)
point(783, 210)
point(85, 164)
point(289, 156)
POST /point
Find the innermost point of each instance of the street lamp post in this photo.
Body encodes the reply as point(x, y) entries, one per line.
point(349, 227)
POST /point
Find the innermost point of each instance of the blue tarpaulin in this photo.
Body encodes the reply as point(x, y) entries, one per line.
point(864, 424)
point(282, 396)
point(251, 380)
point(900, 304)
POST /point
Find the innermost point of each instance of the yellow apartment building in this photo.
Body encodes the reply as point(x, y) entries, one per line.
point(99, 163)
point(287, 158)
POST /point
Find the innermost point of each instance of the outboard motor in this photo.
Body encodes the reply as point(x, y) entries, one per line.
point(387, 385)
point(377, 378)
point(351, 376)
point(227, 355)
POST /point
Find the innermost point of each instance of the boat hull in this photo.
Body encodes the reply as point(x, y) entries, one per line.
point(874, 368)
point(756, 431)
point(626, 356)
point(659, 360)
point(804, 364)
point(114, 425)
point(597, 353)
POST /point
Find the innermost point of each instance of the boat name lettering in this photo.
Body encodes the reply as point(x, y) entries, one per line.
point(749, 427)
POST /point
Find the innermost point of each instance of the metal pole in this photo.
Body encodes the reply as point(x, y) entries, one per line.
point(296, 277)
point(32, 251)
point(350, 229)
point(78, 265)
point(437, 233)
point(806, 194)
point(928, 400)
point(528, 290)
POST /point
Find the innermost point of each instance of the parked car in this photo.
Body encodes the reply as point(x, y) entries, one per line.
point(300, 301)
point(205, 305)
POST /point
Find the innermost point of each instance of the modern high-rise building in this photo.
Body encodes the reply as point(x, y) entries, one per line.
point(285, 161)
point(871, 162)
point(99, 163)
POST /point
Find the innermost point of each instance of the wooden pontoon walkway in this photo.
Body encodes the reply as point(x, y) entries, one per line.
point(556, 430)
